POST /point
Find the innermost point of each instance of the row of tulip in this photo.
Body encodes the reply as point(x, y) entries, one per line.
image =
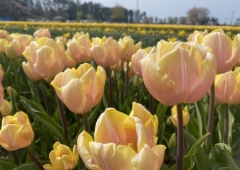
point(100, 78)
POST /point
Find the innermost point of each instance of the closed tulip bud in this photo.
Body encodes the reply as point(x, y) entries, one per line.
point(43, 32)
point(105, 51)
point(226, 57)
point(140, 54)
point(122, 141)
point(45, 59)
point(79, 49)
point(227, 87)
point(62, 158)
point(16, 132)
point(128, 48)
point(173, 141)
point(1, 87)
point(5, 108)
point(186, 116)
point(20, 43)
point(187, 79)
point(11, 90)
point(3, 43)
point(80, 89)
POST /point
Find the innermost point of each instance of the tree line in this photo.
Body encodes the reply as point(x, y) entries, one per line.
point(74, 10)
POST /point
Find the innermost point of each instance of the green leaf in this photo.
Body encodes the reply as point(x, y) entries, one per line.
point(6, 164)
point(202, 160)
point(161, 111)
point(189, 139)
point(189, 159)
point(27, 166)
point(193, 127)
point(45, 119)
point(220, 110)
point(201, 111)
point(219, 166)
point(230, 160)
point(164, 167)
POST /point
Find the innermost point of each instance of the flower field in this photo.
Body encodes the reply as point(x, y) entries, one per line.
point(103, 96)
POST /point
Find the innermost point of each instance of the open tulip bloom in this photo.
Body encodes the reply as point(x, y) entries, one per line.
point(122, 142)
point(177, 74)
point(80, 89)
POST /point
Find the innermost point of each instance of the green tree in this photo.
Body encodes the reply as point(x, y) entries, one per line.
point(118, 13)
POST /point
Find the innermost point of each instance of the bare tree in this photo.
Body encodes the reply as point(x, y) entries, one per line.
point(198, 15)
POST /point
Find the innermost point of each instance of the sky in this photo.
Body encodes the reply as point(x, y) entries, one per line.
point(227, 11)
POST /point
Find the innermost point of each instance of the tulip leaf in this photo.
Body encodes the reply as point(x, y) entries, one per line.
point(202, 160)
point(189, 159)
point(193, 127)
point(164, 167)
point(220, 110)
point(6, 164)
point(201, 111)
point(27, 166)
point(161, 111)
point(45, 119)
point(230, 160)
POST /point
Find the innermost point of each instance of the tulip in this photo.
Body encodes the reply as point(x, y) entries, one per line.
point(45, 59)
point(1, 87)
point(186, 116)
point(9, 50)
point(79, 49)
point(20, 43)
point(105, 51)
point(194, 36)
point(80, 89)
point(122, 142)
point(62, 158)
point(69, 62)
point(227, 87)
point(128, 48)
point(3, 43)
point(43, 32)
point(5, 108)
point(177, 74)
point(140, 54)
point(61, 39)
point(228, 56)
point(3, 34)
point(16, 132)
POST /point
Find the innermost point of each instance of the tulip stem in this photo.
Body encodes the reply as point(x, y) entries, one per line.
point(45, 98)
point(63, 118)
point(226, 124)
point(210, 119)
point(15, 157)
point(85, 123)
point(126, 82)
point(110, 104)
point(34, 159)
point(180, 139)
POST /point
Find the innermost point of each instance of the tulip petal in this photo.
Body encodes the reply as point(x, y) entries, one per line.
point(29, 71)
point(112, 157)
point(84, 151)
point(165, 90)
point(149, 158)
point(109, 127)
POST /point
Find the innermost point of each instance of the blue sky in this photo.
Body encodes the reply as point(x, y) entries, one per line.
point(221, 9)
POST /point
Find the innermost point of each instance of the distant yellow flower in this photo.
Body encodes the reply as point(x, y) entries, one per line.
point(186, 116)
